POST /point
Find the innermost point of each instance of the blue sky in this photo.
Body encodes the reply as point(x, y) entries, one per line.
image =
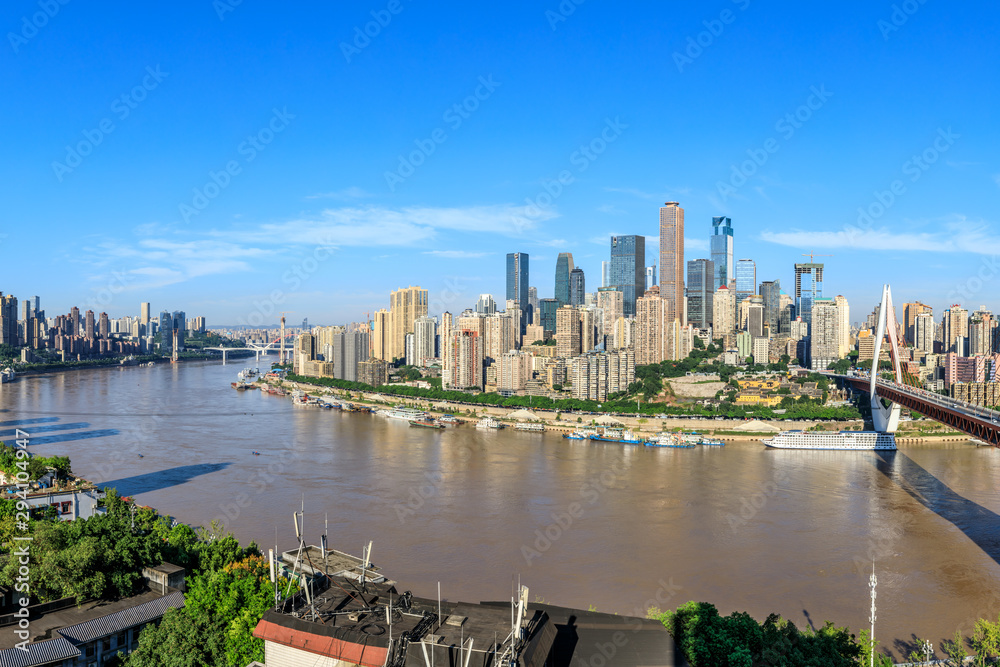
point(235, 160)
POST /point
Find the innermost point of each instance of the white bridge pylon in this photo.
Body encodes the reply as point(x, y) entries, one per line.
point(885, 419)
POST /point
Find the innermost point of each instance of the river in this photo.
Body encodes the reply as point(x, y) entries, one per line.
point(581, 523)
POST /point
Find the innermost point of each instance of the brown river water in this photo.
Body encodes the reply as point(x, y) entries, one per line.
point(580, 523)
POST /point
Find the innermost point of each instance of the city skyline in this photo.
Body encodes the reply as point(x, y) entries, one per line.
point(219, 210)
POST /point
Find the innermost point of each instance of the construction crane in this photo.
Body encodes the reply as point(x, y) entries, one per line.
point(281, 354)
point(812, 255)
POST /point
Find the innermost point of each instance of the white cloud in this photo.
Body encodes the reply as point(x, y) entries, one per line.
point(352, 192)
point(958, 234)
point(695, 244)
point(996, 179)
point(456, 254)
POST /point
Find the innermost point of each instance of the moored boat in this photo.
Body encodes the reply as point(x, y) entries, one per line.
point(841, 440)
point(578, 435)
point(671, 440)
point(406, 414)
point(623, 436)
point(529, 426)
point(425, 423)
point(489, 422)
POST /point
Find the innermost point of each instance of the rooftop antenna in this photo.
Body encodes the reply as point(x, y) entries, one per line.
point(326, 558)
point(366, 554)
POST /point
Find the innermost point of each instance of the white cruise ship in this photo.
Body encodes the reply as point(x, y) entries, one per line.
point(406, 414)
point(859, 440)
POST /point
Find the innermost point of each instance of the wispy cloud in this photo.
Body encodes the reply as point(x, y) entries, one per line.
point(346, 194)
point(996, 178)
point(695, 244)
point(958, 234)
point(456, 254)
point(610, 210)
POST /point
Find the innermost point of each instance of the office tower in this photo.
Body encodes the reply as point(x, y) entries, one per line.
point(8, 320)
point(701, 273)
point(770, 292)
point(910, 312)
point(349, 349)
point(577, 287)
point(534, 317)
point(406, 305)
point(36, 306)
point(746, 279)
point(466, 360)
point(610, 302)
point(723, 312)
point(486, 305)
point(808, 288)
point(517, 284)
point(752, 316)
point(568, 343)
point(628, 269)
point(382, 335)
point(924, 328)
point(722, 251)
point(650, 330)
point(955, 330)
point(548, 309)
point(650, 277)
point(824, 334)
point(144, 312)
point(786, 313)
point(179, 323)
point(843, 326)
point(166, 331)
point(564, 266)
point(425, 335)
point(606, 274)
point(104, 326)
point(672, 261)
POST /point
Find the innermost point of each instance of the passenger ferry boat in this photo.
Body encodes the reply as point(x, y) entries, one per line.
point(7, 375)
point(488, 422)
point(858, 440)
point(449, 419)
point(622, 436)
point(529, 426)
point(579, 435)
point(406, 414)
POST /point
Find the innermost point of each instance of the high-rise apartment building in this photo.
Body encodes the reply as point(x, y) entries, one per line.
point(564, 266)
point(722, 251)
point(672, 261)
point(982, 327)
point(700, 275)
point(104, 326)
point(517, 284)
point(924, 328)
point(746, 279)
point(466, 362)
point(910, 312)
point(406, 305)
point(424, 339)
point(500, 331)
point(955, 328)
point(651, 328)
point(577, 287)
point(349, 349)
point(723, 312)
point(382, 335)
point(8, 320)
point(808, 288)
point(824, 336)
point(843, 326)
point(144, 312)
point(628, 269)
point(611, 303)
point(486, 305)
point(568, 334)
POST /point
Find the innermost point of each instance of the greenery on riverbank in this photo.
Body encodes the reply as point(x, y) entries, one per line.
point(12, 463)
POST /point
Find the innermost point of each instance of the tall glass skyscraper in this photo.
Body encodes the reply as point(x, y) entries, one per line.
point(722, 250)
point(517, 284)
point(577, 287)
point(770, 290)
point(699, 292)
point(628, 269)
point(564, 266)
point(746, 280)
point(808, 288)
point(547, 314)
